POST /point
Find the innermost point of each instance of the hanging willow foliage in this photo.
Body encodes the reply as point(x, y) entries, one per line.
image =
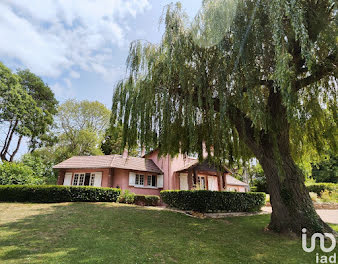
point(187, 90)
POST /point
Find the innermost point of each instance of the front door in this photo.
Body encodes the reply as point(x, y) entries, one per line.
point(87, 179)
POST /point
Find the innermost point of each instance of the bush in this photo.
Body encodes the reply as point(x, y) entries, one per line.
point(213, 201)
point(17, 173)
point(126, 197)
point(147, 200)
point(261, 185)
point(57, 193)
point(42, 167)
point(329, 197)
point(320, 187)
point(314, 197)
point(253, 188)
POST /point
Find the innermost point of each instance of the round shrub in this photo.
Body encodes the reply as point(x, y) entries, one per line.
point(147, 200)
point(126, 197)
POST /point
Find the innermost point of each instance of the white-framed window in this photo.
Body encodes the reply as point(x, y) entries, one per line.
point(139, 179)
point(152, 180)
point(81, 179)
point(76, 179)
point(92, 179)
point(201, 183)
point(87, 179)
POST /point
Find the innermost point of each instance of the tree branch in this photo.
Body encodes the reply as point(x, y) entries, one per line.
point(16, 149)
point(7, 136)
point(244, 128)
point(320, 71)
point(5, 149)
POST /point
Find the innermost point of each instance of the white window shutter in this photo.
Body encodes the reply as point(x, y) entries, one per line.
point(131, 178)
point(160, 181)
point(98, 179)
point(184, 181)
point(68, 179)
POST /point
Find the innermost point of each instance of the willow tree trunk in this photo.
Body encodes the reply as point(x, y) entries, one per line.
point(292, 207)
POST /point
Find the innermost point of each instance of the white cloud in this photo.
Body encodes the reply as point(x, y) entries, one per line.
point(68, 82)
point(74, 74)
point(62, 91)
point(51, 37)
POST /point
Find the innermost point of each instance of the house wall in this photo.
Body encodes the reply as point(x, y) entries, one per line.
point(236, 187)
point(121, 178)
point(106, 175)
point(114, 178)
point(164, 164)
point(169, 165)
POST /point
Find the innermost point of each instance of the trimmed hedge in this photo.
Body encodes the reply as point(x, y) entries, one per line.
point(321, 187)
point(147, 200)
point(57, 193)
point(214, 201)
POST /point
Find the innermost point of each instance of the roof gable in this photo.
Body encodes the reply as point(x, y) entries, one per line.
point(201, 166)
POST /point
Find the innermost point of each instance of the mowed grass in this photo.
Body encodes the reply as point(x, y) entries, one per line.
point(113, 233)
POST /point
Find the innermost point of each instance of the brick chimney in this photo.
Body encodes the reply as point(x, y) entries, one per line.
point(125, 153)
point(143, 151)
point(205, 152)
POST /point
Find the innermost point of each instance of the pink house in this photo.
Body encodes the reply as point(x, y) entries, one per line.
point(146, 175)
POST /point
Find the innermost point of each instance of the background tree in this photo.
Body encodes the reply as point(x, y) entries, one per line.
point(112, 142)
point(27, 106)
point(266, 89)
point(41, 164)
point(326, 170)
point(80, 128)
point(17, 173)
point(45, 100)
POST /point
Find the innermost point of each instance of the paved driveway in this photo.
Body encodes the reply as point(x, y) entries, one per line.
point(328, 216)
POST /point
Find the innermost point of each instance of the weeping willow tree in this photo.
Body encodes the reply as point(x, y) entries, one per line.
point(248, 78)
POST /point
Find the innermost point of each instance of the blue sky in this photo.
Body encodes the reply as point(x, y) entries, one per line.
point(78, 47)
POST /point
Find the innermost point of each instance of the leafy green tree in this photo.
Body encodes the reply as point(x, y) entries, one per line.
point(80, 128)
point(41, 165)
point(77, 115)
point(326, 170)
point(17, 173)
point(259, 179)
point(27, 106)
point(83, 143)
point(265, 86)
point(112, 142)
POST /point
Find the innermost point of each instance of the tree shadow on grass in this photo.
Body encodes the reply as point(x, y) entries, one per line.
point(110, 233)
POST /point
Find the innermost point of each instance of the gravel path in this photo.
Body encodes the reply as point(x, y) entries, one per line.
point(328, 216)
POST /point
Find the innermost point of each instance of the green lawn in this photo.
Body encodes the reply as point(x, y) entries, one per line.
point(112, 233)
